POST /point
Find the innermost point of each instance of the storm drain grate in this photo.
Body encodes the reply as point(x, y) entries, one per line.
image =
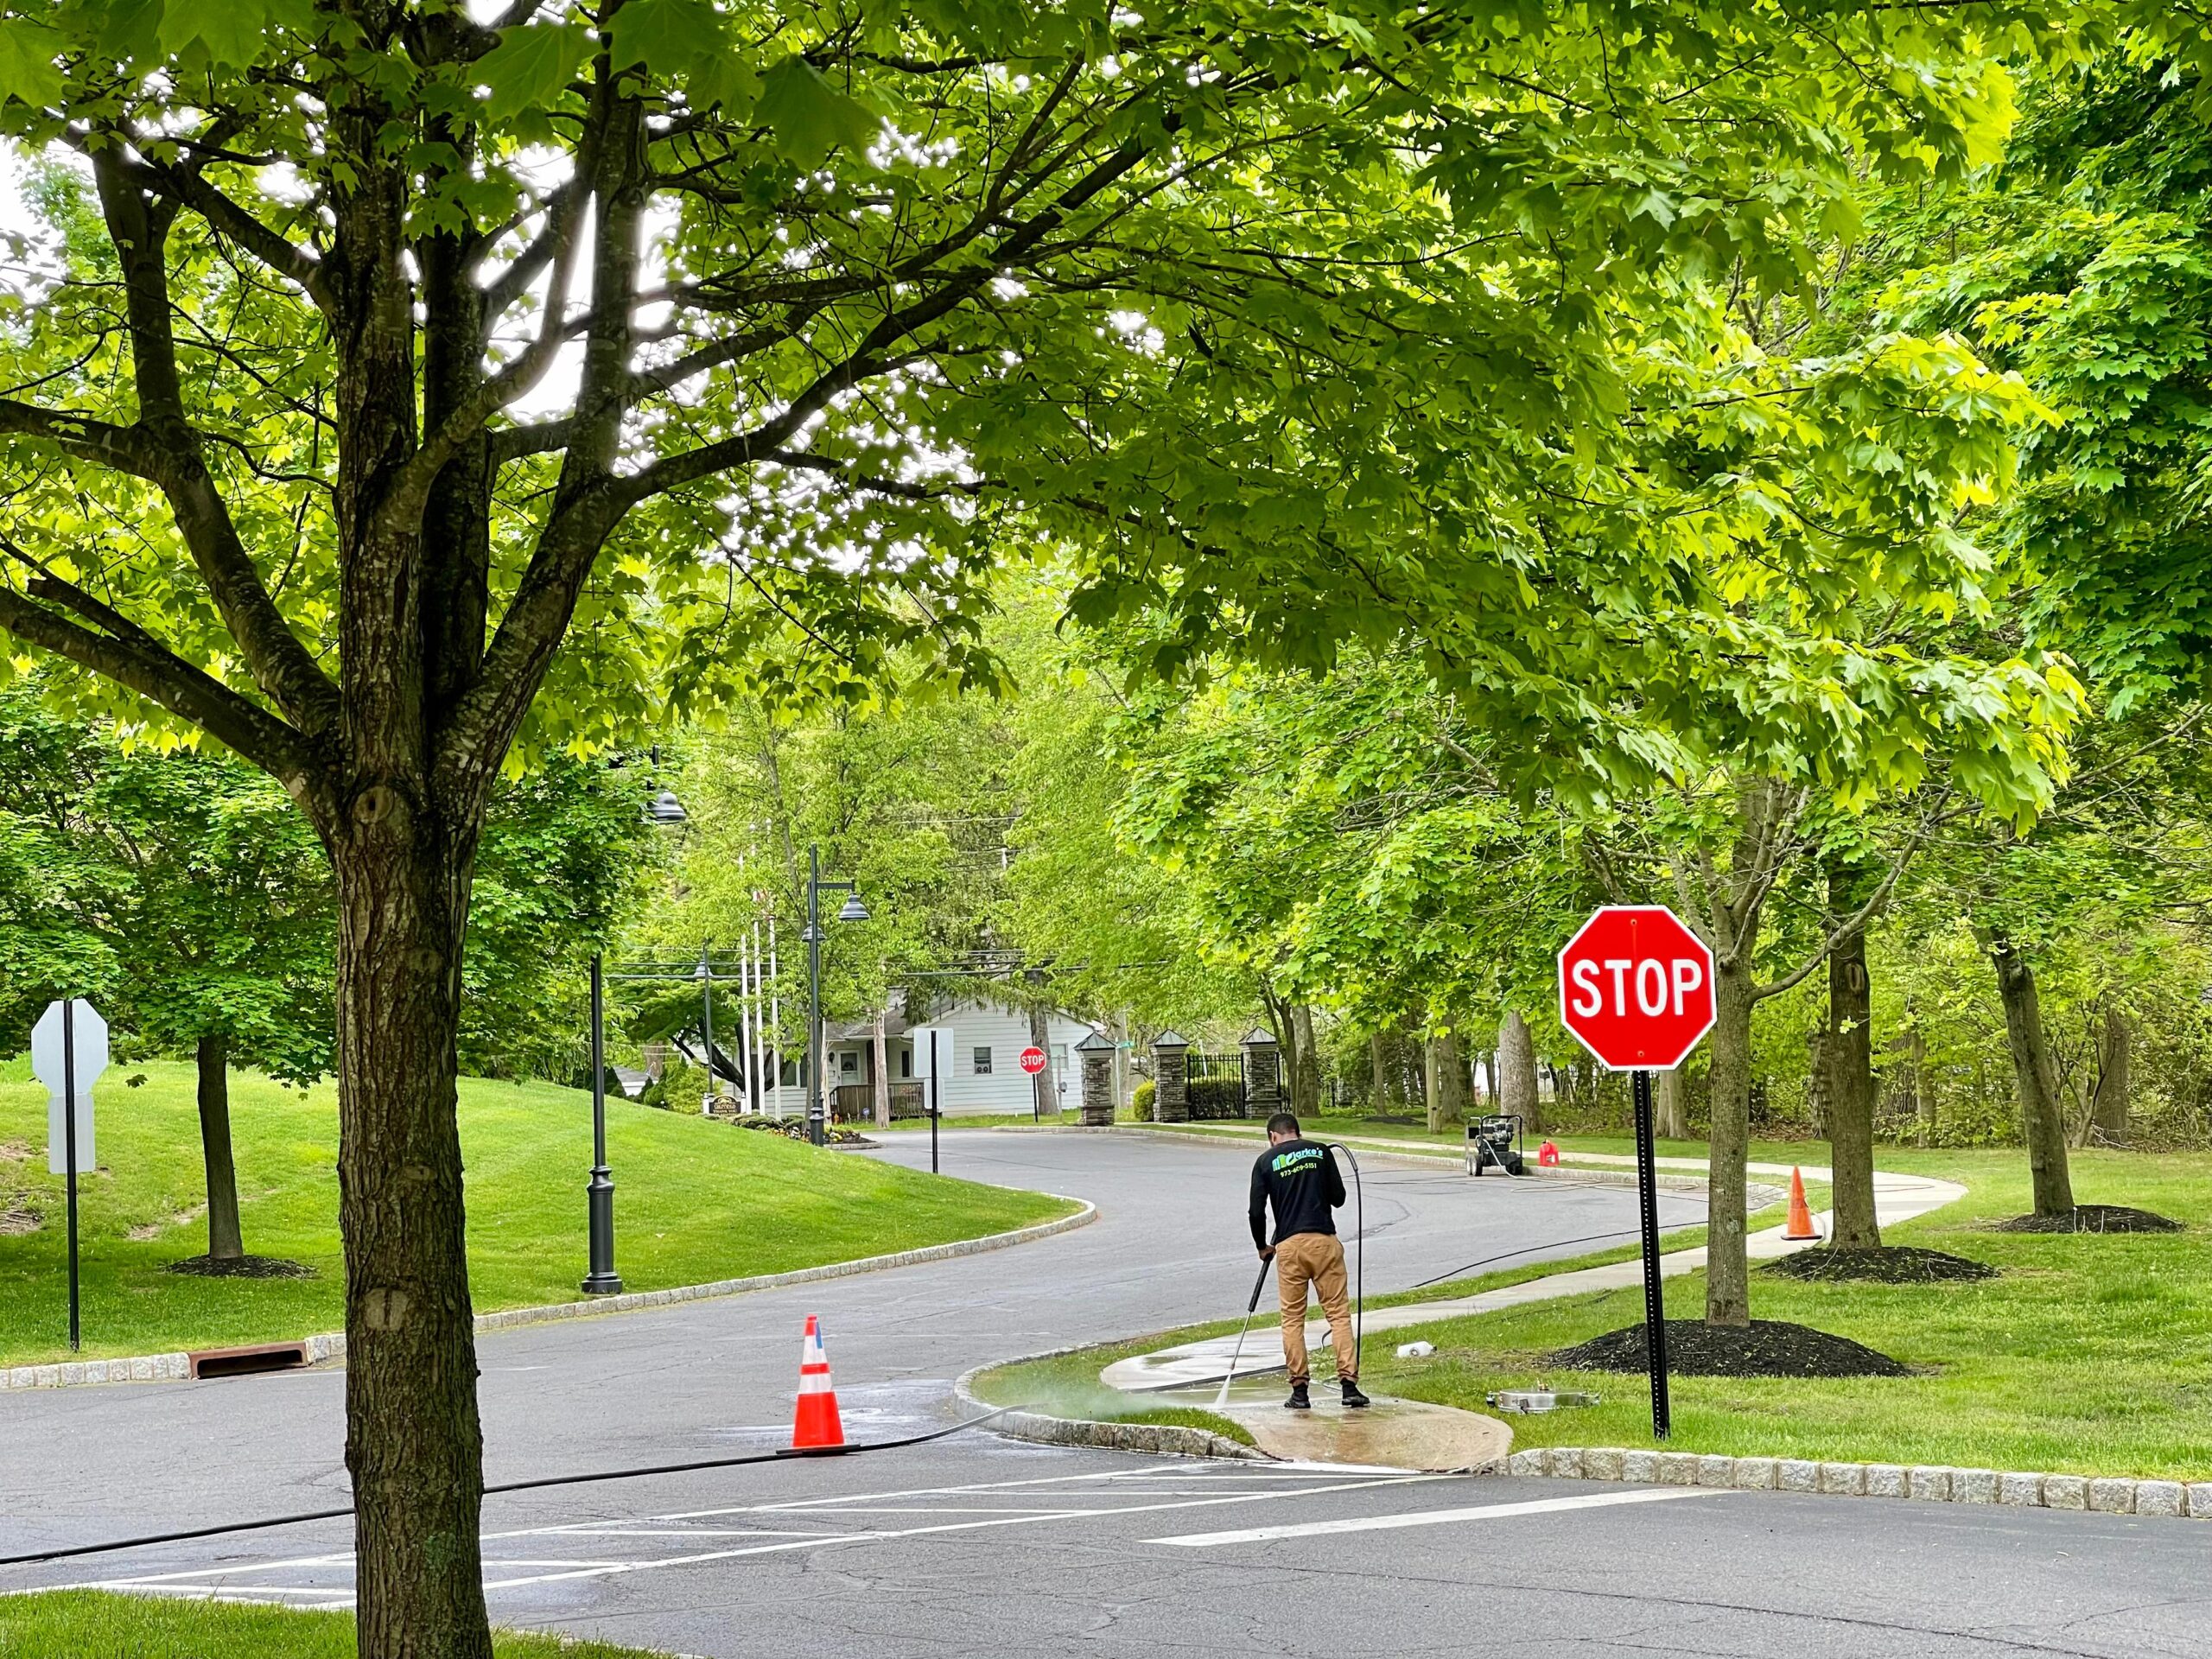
point(249, 1361)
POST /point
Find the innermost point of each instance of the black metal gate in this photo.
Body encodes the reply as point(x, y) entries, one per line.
point(1215, 1085)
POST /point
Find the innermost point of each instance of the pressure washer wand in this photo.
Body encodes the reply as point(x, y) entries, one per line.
point(1250, 1309)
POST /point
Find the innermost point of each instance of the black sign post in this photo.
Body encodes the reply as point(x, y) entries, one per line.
point(1654, 1308)
point(69, 1146)
point(936, 1100)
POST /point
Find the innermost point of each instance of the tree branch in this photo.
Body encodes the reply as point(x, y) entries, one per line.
point(134, 660)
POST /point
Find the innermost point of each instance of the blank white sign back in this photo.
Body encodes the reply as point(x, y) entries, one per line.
point(89, 1041)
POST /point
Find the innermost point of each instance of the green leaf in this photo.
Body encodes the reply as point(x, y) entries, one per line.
point(231, 30)
point(809, 117)
point(26, 53)
point(666, 36)
point(532, 64)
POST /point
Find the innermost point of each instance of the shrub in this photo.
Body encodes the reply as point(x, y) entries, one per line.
point(1140, 1100)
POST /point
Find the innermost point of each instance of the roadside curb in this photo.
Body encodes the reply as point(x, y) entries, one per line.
point(330, 1346)
point(1928, 1483)
point(1168, 1440)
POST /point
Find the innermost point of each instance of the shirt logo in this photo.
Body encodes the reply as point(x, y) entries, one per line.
point(1296, 1162)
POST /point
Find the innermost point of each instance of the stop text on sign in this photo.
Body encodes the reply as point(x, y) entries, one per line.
point(1636, 987)
point(1686, 976)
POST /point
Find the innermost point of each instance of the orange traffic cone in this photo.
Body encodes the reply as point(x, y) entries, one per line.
point(1801, 1218)
point(818, 1423)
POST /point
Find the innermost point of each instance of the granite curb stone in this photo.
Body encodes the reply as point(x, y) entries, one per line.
point(1924, 1482)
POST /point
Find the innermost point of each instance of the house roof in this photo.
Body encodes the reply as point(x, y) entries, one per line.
point(896, 1023)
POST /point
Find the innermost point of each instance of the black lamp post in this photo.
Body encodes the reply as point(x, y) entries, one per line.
point(598, 1193)
point(851, 911)
point(601, 1281)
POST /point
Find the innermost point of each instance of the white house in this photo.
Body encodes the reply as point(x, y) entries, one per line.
point(983, 1073)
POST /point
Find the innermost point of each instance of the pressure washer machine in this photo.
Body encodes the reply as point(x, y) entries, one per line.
point(1494, 1142)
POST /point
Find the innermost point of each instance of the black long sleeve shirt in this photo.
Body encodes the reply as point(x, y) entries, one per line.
point(1300, 1178)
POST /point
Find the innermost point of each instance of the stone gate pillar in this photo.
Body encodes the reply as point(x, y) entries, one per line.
point(1170, 1102)
point(1097, 1052)
point(1263, 1076)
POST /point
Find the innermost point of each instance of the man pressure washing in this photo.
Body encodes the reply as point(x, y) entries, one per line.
point(1299, 1178)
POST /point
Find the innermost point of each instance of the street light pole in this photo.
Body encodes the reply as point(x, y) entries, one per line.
point(817, 1098)
point(601, 1281)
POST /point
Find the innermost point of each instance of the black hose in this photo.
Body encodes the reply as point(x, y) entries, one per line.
point(1530, 1249)
point(785, 1455)
point(1359, 1236)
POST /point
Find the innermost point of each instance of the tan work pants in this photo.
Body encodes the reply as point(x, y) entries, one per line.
point(1315, 1259)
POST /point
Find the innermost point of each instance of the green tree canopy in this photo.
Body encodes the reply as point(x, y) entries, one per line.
point(401, 367)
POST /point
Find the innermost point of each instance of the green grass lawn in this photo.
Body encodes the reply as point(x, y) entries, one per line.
point(695, 1201)
point(2090, 1354)
point(1067, 1385)
point(90, 1624)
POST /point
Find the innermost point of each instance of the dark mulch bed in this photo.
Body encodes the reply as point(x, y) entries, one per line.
point(241, 1266)
point(2092, 1219)
point(1762, 1348)
point(1892, 1264)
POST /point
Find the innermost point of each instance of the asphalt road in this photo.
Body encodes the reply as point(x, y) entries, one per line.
point(974, 1545)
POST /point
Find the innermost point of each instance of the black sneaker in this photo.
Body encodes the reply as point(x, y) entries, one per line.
point(1298, 1401)
point(1353, 1397)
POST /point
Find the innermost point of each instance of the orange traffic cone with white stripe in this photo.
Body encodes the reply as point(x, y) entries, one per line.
point(1801, 1218)
point(818, 1423)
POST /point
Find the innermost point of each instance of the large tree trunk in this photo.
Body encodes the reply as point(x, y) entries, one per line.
point(413, 1442)
point(1517, 1071)
point(2035, 1080)
point(1848, 1051)
point(225, 1241)
point(1044, 1092)
point(1727, 1274)
point(2106, 1124)
point(1306, 1070)
point(1670, 1115)
point(1432, 1075)
point(1447, 1081)
point(881, 1059)
point(1926, 1101)
point(1381, 1073)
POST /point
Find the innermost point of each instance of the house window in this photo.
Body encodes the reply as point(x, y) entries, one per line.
point(982, 1062)
point(1059, 1059)
point(905, 1063)
point(849, 1064)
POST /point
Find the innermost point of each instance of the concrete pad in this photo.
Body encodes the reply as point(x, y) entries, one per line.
point(1391, 1433)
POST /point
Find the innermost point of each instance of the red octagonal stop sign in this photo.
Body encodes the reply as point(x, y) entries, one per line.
point(1635, 986)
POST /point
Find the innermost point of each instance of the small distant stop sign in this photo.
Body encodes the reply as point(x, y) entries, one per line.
point(1636, 987)
point(1032, 1060)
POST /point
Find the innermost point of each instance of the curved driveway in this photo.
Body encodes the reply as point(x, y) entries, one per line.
point(975, 1546)
point(1170, 1246)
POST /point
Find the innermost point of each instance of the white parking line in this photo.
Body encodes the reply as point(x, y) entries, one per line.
point(1023, 1503)
point(1434, 1517)
point(877, 1534)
